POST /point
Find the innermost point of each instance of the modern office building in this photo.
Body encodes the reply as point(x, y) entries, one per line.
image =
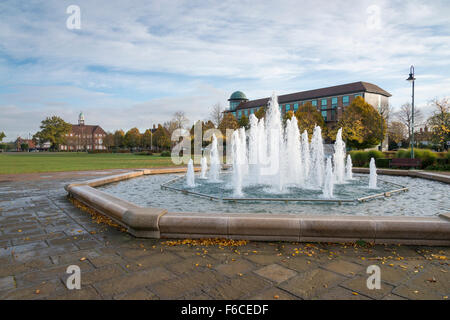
point(330, 101)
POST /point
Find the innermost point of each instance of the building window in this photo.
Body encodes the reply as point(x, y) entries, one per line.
point(324, 115)
point(324, 102)
point(234, 114)
point(345, 100)
point(240, 114)
point(295, 106)
point(288, 107)
point(334, 102)
point(314, 103)
point(246, 113)
point(358, 95)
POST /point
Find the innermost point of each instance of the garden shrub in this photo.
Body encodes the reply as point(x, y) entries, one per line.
point(362, 158)
point(165, 154)
point(427, 157)
point(382, 162)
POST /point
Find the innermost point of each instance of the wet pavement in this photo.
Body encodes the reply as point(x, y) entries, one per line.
point(42, 233)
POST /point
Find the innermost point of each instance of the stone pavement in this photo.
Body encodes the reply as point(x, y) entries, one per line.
point(42, 233)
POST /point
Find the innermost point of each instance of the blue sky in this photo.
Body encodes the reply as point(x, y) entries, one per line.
point(135, 63)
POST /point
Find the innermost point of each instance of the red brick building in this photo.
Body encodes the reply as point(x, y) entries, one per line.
point(84, 137)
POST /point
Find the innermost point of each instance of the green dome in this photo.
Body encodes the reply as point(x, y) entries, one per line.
point(238, 95)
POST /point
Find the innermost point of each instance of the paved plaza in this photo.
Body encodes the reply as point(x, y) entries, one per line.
point(42, 233)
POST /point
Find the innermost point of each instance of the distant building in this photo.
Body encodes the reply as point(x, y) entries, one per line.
point(330, 101)
point(20, 142)
point(84, 137)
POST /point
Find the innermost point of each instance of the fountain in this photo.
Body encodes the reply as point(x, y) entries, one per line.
point(349, 168)
point(204, 165)
point(274, 161)
point(329, 181)
point(339, 158)
point(214, 161)
point(373, 174)
point(190, 176)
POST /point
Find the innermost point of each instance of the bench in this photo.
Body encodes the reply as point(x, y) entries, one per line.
point(405, 162)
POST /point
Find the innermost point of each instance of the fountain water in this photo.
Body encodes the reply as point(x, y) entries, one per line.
point(237, 155)
point(329, 181)
point(373, 175)
point(204, 166)
point(214, 161)
point(317, 158)
point(349, 168)
point(279, 157)
point(190, 176)
point(339, 158)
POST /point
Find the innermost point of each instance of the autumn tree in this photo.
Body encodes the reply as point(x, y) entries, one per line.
point(228, 122)
point(108, 140)
point(362, 125)
point(161, 138)
point(2, 135)
point(53, 130)
point(133, 138)
point(260, 113)
point(439, 122)
point(308, 117)
point(119, 138)
point(243, 121)
point(147, 139)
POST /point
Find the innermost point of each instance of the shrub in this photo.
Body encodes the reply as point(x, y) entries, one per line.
point(439, 167)
point(427, 157)
point(382, 162)
point(144, 153)
point(362, 158)
point(165, 154)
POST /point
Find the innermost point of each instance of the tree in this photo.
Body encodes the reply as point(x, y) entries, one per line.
point(161, 138)
point(54, 130)
point(108, 141)
point(405, 116)
point(228, 122)
point(24, 147)
point(147, 139)
point(180, 120)
point(439, 122)
point(216, 114)
point(397, 132)
point(119, 138)
point(133, 138)
point(2, 135)
point(308, 117)
point(243, 121)
point(362, 125)
point(261, 113)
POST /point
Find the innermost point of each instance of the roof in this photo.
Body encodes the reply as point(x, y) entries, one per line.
point(87, 129)
point(318, 93)
point(238, 95)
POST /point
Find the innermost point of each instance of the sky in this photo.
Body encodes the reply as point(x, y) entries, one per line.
point(135, 63)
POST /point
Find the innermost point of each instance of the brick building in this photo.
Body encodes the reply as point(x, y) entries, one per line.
point(84, 137)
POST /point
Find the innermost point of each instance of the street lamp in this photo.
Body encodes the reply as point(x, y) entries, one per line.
point(412, 79)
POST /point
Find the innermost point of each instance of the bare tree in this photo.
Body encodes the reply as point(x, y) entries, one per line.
point(216, 114)
point(405, 116)
point(180, 119)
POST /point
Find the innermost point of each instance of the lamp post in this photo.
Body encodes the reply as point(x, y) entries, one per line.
point(412, 79)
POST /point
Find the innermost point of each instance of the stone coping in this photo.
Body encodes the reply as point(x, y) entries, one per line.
point(159, 223)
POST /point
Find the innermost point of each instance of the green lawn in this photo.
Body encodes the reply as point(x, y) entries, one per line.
point(61, 161)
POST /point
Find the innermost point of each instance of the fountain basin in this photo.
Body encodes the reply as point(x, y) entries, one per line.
point(151, 222)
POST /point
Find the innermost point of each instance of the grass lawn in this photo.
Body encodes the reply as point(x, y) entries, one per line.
point(11, 163)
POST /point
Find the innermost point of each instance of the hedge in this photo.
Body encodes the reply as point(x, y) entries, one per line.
point(362, 158)
point(427, 157)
